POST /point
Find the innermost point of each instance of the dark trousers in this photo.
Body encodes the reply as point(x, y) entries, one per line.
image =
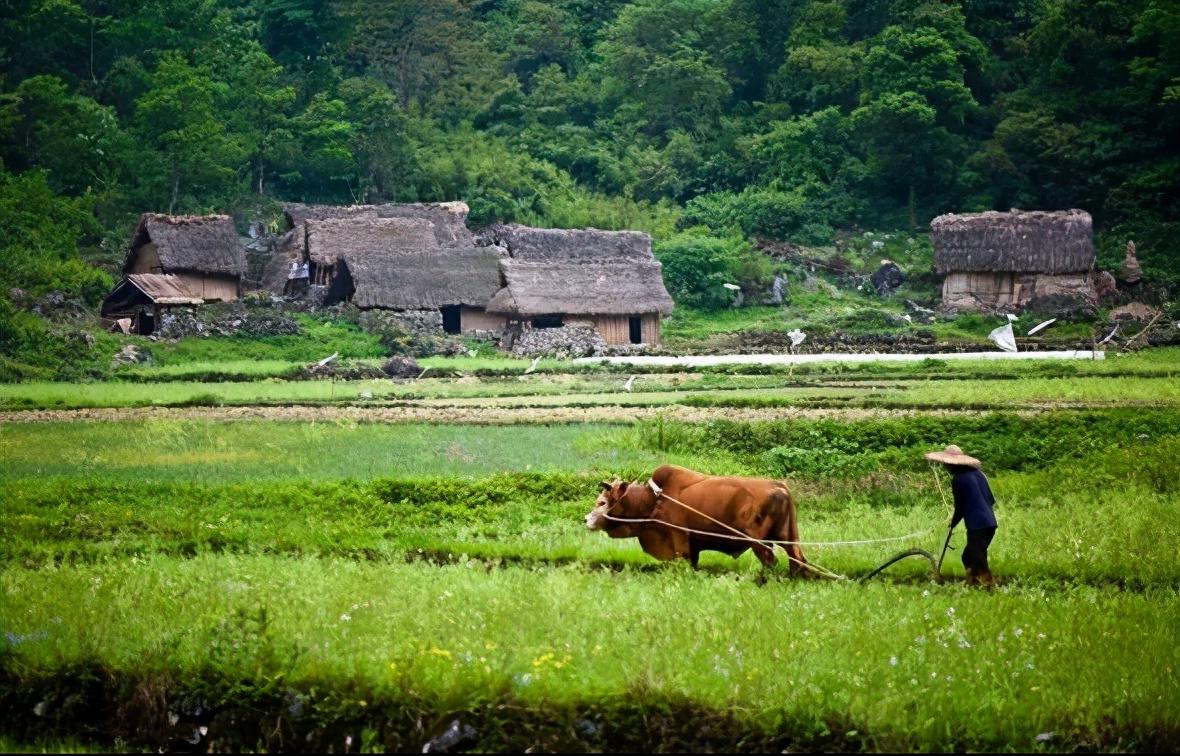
point(975, 552)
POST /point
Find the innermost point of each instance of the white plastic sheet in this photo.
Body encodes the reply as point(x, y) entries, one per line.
point(1004, 337)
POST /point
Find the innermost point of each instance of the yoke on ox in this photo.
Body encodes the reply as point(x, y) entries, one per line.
point(714, 506)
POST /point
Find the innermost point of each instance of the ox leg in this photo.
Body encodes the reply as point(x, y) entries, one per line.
point(764, 553)
point(794, 550)
point(664, 543)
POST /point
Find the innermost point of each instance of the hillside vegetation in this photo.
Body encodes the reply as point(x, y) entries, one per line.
point(704, 122)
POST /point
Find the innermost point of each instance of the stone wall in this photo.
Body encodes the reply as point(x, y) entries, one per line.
point(562, 343)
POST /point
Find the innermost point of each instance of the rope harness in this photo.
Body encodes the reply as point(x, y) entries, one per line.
point(770, 543)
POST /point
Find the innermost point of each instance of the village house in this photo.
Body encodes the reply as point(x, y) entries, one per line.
point(608, 280)
point(995, 261)
point(174, 261)
point(398, 264)
point(421, 261)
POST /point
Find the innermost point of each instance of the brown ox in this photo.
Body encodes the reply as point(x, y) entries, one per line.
point(759, 508)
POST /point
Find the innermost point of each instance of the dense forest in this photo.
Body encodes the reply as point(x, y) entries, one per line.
point(791, 119)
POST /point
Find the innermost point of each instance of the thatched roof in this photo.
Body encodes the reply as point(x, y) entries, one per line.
point(613, 288)
point(418, 280)
point(204, 243)
point(560, 245)
point(358, 236)
point(297, 213)
point(1033, 241)
point(449, 218)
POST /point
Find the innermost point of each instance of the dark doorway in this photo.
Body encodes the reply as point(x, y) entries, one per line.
point(145, 322)
point(452, 323)
point(636, 323)
point(547, 321)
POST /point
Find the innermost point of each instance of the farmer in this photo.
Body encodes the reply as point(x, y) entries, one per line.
point(973, 505)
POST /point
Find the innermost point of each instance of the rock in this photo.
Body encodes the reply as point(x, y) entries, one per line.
point(1131, 272)
point(1061, 304)
point(1105, 286)
point(923, 315)
point(16, 295)
point(401, 367)
point(888, 278)
point(130, 354)
point(1136, 311)
point(449, 735)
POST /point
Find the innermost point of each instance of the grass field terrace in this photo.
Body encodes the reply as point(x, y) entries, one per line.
point(341, 578)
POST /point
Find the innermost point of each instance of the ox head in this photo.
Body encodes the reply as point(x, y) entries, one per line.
point(618, 498)
point(610, 493)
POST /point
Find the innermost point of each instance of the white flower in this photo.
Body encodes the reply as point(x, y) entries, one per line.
point(892, 661)
point(1018, 632)
point(345, 617)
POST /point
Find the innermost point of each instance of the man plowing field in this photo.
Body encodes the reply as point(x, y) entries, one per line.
point(973, 505)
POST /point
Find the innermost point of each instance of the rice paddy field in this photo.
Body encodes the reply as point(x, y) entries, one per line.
point(271, 565)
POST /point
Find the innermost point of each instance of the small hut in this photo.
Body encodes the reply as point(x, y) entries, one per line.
point(397, 263)
point(425, 224)
point(142, 296)
point(999, 260)
point(204, 252)
point(447, 288)
point(606, 279)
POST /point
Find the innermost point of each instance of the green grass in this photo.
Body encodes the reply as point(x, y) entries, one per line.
point(1148, 377)
point(247, 451)
point(886, 667)
point(299, 582)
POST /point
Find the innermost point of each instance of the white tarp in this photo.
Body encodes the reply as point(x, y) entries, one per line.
point(1004, 337)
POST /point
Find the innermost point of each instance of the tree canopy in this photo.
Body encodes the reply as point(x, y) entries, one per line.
point(788, 118)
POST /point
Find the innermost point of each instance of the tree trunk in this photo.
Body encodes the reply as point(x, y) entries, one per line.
point(913, 210)
point(175, 191)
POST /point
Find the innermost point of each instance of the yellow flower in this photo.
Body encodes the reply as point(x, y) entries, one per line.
point(442, 653)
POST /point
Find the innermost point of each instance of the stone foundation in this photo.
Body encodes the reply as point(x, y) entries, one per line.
point(992, 292)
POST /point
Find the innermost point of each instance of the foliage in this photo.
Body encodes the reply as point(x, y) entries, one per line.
point(801, 120)
point(697, 266)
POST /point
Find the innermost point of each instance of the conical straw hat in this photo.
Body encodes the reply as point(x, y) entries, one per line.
point(953, 455)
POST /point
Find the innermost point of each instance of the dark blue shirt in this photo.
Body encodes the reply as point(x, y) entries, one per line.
point(973, 500)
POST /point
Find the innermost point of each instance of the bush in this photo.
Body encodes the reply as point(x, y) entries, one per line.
point(697, 266)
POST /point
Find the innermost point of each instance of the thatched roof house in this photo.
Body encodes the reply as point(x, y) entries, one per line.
point(141, 296)
point(608, 279)
point(395, 260)
point(431, 280)
point(177, 260)
point(203, 251)
point(449, 218)
point(998, 260)
point(322, 232)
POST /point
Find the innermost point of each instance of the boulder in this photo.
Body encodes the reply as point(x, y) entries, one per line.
point(130, 354)
point(1105, 286)
point(1135, 311)
point(888, 278)
point(401, 367)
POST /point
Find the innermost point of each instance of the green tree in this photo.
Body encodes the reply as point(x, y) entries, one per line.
point(178, 122)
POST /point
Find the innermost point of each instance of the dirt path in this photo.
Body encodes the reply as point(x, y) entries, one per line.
point(463, 415)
